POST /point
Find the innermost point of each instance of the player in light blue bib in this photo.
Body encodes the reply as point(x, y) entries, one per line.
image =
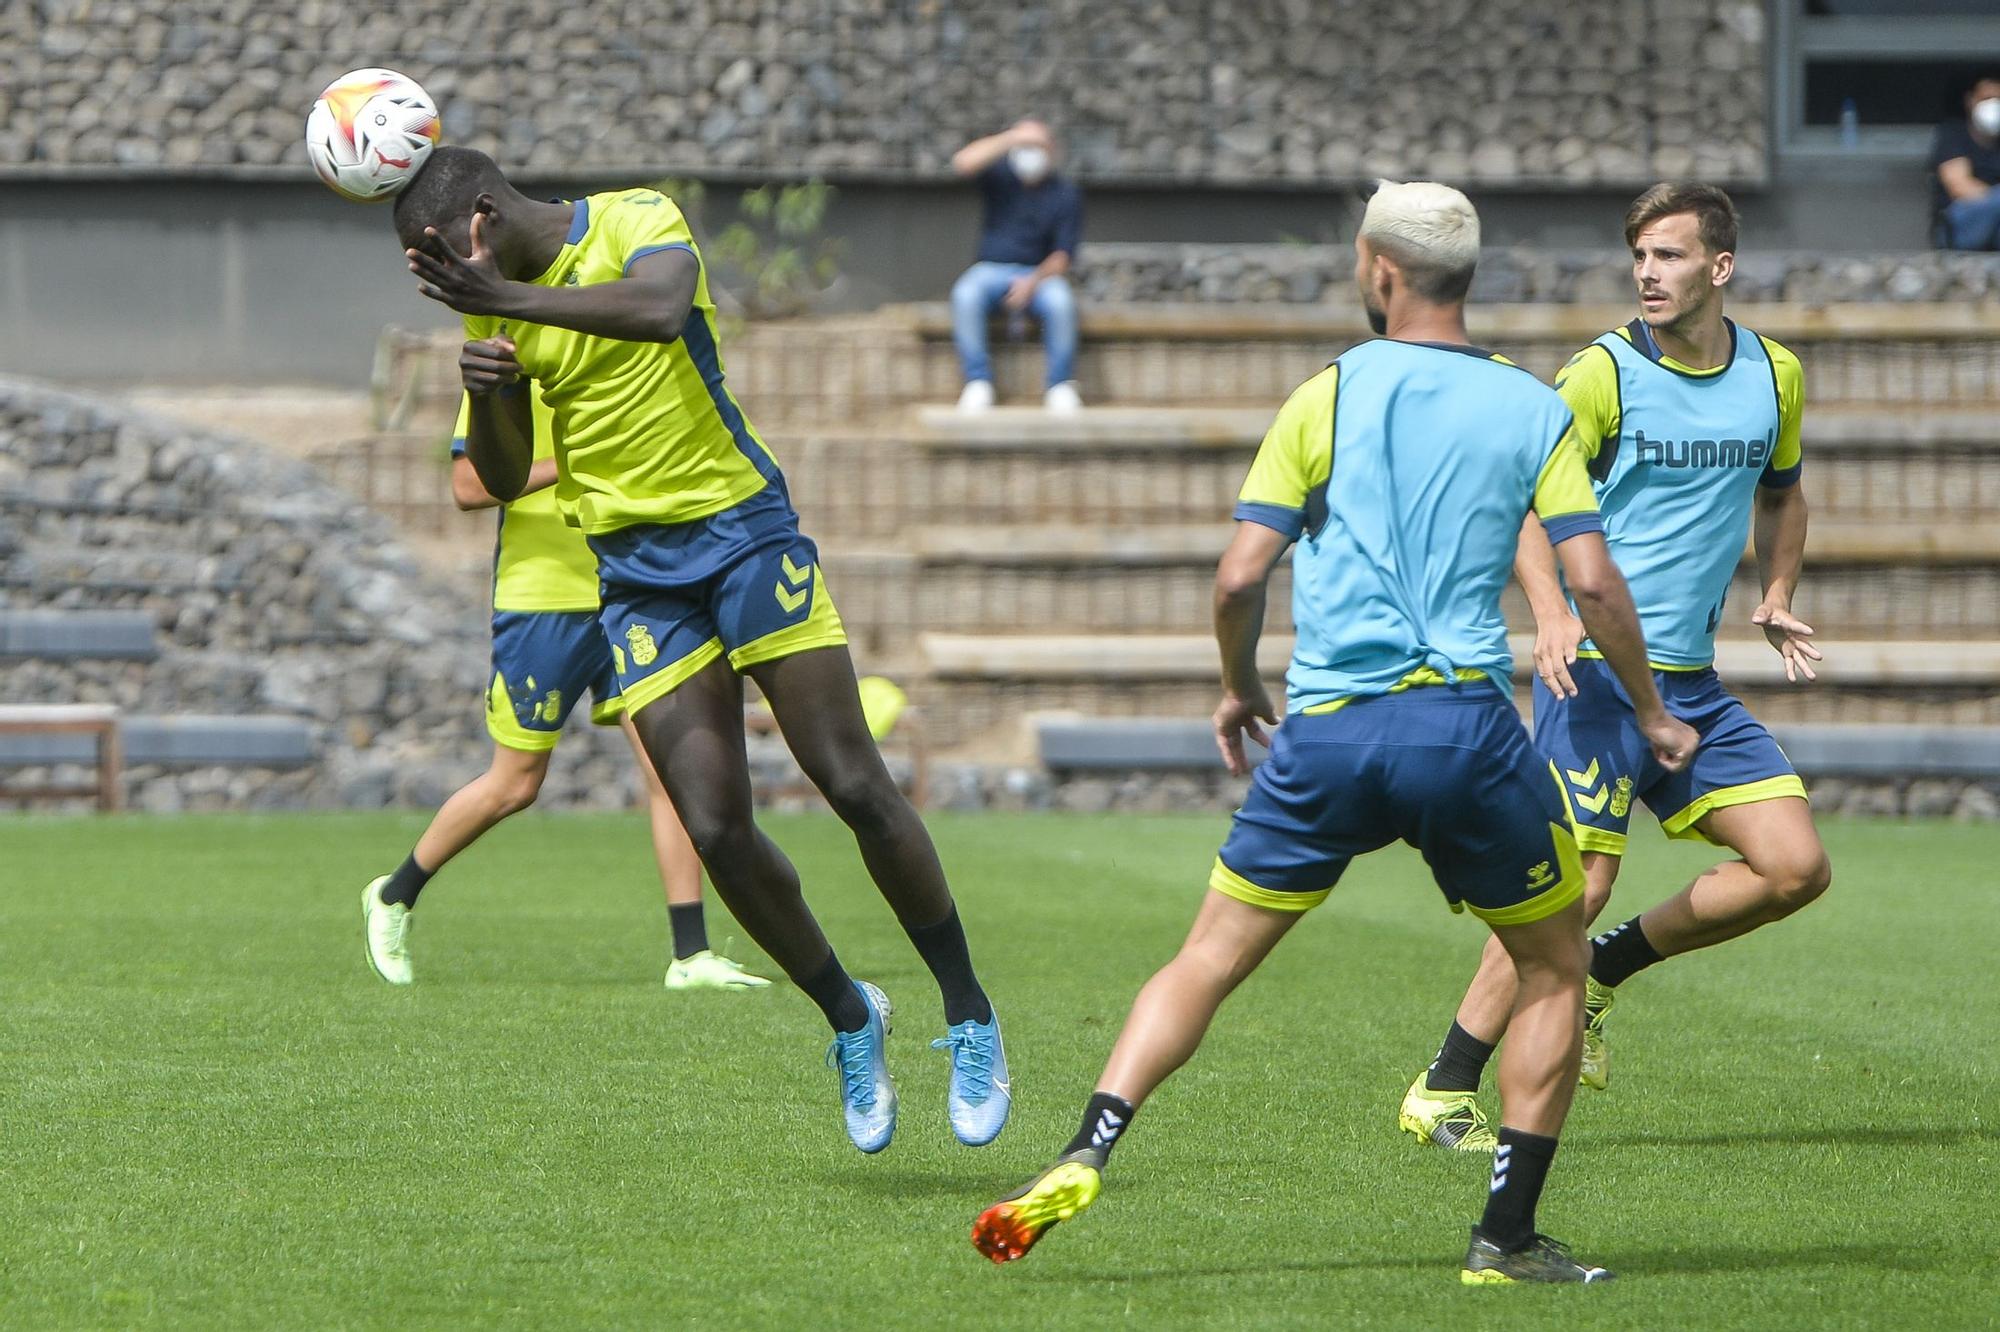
point(1403, 473)
point(1691, 422)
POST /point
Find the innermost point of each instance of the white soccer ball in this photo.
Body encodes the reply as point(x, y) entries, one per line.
point(370, 132)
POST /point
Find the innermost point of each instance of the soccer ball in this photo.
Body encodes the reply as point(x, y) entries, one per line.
point(370, 132)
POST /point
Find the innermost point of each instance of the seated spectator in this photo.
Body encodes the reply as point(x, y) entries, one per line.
point(1031, 225)
point(1966, 156)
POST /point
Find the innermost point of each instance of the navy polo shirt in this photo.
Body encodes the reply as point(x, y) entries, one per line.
point(1023, 225)
point(1953, 140)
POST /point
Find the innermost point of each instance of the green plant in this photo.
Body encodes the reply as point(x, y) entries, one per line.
point(771, 258)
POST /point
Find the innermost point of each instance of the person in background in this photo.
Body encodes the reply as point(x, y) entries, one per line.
point(1965, 155)
point(1029, 231)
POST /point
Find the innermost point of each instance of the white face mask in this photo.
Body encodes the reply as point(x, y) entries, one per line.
point(1030, 163)
point(1986, 115)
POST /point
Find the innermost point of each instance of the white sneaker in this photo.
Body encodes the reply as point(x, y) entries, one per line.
point(977, 397)
point(1062, 398)
point(386, 927)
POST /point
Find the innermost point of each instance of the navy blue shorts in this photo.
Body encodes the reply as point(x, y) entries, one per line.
point(1450, 770)
point(543, 661)
point(744, 582)
point(1594, 740)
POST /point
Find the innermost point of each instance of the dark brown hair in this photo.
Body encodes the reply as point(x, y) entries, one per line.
point(1714, 213)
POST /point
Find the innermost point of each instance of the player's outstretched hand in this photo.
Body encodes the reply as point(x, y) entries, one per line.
point(488, 364)
point(1237, 717)
point(469, 283)
point(1673, 741)
point(1792, 637)
point(1556, 645)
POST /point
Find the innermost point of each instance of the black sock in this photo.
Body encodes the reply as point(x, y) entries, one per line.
point(1520, 1167)
point(1460, 1061)
point(942, 946)
point(833, 990)
point(1104, 1122)
point(690, 928)
point(1616, 955)
point(404, 885)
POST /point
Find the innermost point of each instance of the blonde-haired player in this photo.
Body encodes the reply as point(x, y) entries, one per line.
point(1406, 506)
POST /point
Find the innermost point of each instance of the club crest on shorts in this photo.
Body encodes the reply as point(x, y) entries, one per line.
point(1621, 798)
point(551, 706)
point(644, 650)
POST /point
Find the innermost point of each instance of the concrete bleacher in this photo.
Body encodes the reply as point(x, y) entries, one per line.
point(1015, 562)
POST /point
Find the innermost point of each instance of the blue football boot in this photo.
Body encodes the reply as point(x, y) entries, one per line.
point(867, 1093)
point(980, 1095)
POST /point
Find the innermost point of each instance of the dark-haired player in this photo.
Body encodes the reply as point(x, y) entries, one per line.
point(601, 307)
point(1691, 425)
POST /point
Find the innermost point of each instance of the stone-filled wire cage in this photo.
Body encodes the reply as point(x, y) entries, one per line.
point(1215, 91)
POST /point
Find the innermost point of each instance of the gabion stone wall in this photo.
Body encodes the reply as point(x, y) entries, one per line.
point(1201, 91)
point(1118, 272)
point(272, 594)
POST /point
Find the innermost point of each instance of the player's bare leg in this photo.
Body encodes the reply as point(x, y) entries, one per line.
point(1165, 1027)
point(509, 785)
point(1784, 867)
point(1440, 1107)
point(694, 736)
point(1537, 1083)
point(695, 965)
point(817, 703)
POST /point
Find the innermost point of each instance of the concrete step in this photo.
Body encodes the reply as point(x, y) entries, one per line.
point(1896, 664)
point(887, 599)
point(856, 369)
point(1177, 468)
point(979, 687)
point(1072, 743)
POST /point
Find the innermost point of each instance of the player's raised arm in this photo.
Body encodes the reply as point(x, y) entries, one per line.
point(500, 423)
point(651, 303)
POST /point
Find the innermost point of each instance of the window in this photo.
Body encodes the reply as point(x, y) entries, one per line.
point(1872, 78)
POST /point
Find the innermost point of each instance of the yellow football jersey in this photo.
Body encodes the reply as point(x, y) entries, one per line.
point(540, 562)
point(645, 432)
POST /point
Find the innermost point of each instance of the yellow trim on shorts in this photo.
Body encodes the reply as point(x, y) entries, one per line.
point(1595, 655)
point(1229, 883)
point(505, 727)
point(1681, 825)
point(663, 682)
point(607, 711)
point(1599, 840)
point(1568, 887)
point(820, 629)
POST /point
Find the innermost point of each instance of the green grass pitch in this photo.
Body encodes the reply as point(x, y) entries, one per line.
point(212, 1114)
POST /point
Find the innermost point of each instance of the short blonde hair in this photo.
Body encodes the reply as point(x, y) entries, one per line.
point(1430, 230)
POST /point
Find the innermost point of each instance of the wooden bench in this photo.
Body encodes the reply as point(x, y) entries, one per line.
point(99, 720)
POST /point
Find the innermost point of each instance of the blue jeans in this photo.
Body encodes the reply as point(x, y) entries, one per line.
point(1973, 224)
point(976, 295)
